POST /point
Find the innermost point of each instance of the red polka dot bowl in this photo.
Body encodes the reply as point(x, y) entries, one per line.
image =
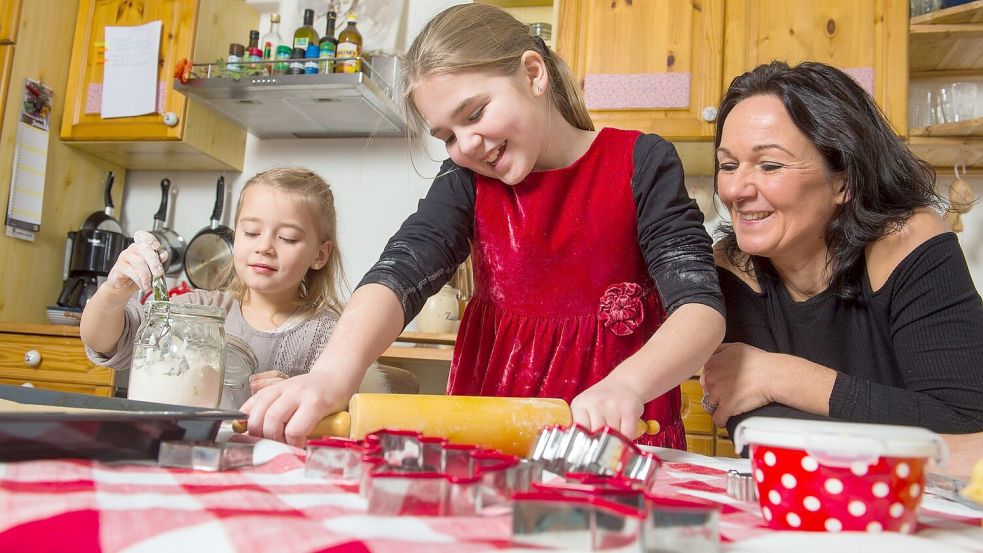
point(826, 476)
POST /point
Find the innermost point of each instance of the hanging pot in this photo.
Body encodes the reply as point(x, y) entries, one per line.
point(170, 240)
point(211, 249)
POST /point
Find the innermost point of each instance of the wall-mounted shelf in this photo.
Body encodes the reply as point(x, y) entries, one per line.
point(326, 105)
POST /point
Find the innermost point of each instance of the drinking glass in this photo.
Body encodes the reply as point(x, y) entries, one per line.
point(963, 101)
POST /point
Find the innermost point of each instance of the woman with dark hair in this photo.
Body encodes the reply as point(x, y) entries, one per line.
point(847, 295)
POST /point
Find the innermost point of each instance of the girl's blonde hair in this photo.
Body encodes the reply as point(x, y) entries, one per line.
point(480, 37)
point(321, 288)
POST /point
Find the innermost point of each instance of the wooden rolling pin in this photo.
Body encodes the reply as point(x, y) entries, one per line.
point(508, 424)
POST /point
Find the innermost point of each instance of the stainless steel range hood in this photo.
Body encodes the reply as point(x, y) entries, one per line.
point(308, 106)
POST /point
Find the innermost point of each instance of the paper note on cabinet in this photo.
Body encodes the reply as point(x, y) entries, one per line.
point(130, 77)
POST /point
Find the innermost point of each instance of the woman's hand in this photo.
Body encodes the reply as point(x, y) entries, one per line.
point(261, 380)
point(738, 378)
point(137, 265)
point(287, 411)
point(608, 403)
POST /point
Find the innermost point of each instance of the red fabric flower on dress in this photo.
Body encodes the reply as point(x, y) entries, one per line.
point(621, 308)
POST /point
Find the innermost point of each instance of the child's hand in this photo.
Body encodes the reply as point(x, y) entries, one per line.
point(288, 410)
point(261, 380)
point(137, 265)
point(608, 403)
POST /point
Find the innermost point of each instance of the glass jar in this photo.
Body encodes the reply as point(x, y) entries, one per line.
point(240, 364)
point(179, 355)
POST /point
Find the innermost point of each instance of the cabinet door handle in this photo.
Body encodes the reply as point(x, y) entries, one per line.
point(32, 358)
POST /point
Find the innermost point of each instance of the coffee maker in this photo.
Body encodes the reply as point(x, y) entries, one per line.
point(91, 252)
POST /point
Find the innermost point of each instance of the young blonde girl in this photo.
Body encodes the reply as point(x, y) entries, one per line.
point(282, 292)
point(595, 279)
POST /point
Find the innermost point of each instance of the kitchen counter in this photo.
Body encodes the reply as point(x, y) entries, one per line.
point(89, 506)
point(71, 331)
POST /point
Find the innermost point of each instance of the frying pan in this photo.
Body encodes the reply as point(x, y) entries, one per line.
point(211, 249)
point(171, 240)
point(104, 220)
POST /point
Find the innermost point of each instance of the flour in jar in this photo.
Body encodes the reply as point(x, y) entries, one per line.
point(177, 374)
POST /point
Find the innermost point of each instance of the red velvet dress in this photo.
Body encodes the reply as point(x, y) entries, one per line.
point(562, 291)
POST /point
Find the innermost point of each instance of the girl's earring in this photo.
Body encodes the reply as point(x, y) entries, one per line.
point(539, 89)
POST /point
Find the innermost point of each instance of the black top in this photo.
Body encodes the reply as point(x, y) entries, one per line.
point(431, 243)
point(910, 353)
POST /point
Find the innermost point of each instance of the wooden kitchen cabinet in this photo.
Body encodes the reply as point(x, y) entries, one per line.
point(9, 14)
point(947, 44)
point(663, 47)
point(50, 357)
point(701, 435)
point(191, 29)
point(867, 39)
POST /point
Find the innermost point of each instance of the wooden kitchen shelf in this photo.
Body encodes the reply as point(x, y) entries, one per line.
point(947, 151)
point(947, 40)
point(973, 127)
point(428, 338)
point(518, 3)
point(403, 353)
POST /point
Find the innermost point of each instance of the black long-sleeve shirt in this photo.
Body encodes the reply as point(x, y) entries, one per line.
point(910, 353)
point(423, 255)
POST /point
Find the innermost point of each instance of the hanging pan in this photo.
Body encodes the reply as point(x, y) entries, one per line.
point(211, 249)
point(171, 240)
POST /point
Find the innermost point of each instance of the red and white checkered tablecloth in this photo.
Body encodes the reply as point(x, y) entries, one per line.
point(85, 506)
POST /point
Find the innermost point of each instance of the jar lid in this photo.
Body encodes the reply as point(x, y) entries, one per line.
point(240, 362)
point(841, 440)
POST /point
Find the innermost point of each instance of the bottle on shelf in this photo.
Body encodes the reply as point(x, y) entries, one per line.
point(269, 44)
point(253, 53)
point(296, 62)
point(349, 46)
point(329, 44)
point(236, 53)
point(311, 59)
point(305, 35)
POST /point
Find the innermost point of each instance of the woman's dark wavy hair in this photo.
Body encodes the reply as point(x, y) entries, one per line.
point(885, 182)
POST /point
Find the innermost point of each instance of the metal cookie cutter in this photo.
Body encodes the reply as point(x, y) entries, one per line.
point(741, 486)
point(210, 456)
point(601, 514)
point(564, 450)
point(402, 472)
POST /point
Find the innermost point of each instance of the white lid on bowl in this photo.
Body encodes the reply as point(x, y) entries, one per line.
point(842, 442)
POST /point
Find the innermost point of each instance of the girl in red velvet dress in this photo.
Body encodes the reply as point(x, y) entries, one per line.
point(594, 277)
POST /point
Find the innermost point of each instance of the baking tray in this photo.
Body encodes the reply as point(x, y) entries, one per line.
point(133, 430)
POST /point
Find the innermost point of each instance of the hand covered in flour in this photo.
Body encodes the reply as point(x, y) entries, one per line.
point(137, 265)
point(610, 402)
point(738, 378)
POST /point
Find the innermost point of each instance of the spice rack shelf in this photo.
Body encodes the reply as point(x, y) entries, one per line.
point(948, 43)
point(329, 105)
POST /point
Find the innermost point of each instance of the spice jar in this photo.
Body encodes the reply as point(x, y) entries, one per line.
point(179, 355)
